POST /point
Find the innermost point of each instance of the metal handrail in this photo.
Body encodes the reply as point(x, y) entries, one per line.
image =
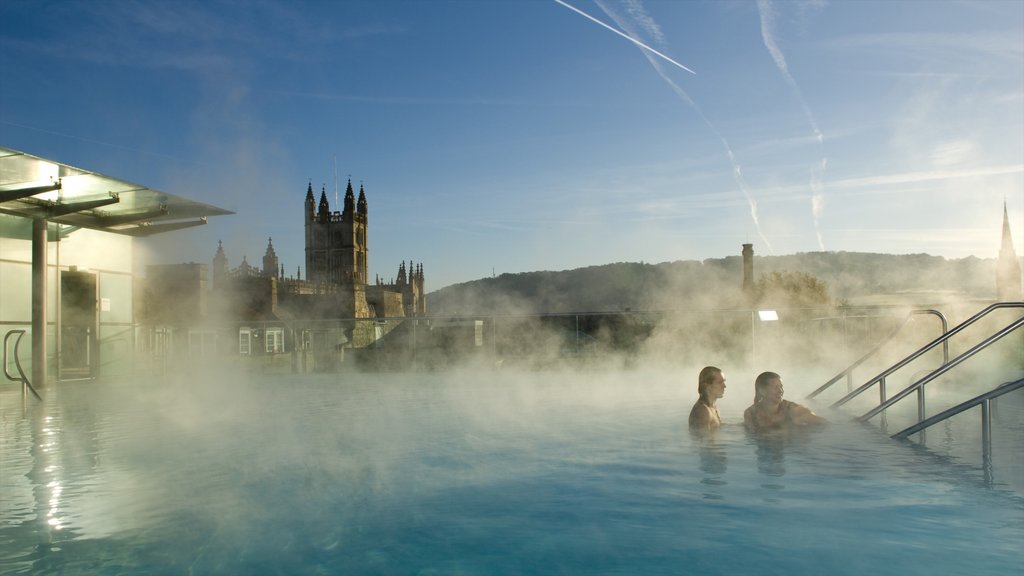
point(17, 363)
point(982, 399)
point(985, 401)
point(880, 378)
point(919, 385)
point(848, 373)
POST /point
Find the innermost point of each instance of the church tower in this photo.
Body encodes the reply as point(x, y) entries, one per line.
point(336, 247)
point(1008, 280)
point(220, 267)
point(270, 260)
point(353, 249)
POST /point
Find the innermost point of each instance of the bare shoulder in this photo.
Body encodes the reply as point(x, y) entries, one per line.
point(699, 415)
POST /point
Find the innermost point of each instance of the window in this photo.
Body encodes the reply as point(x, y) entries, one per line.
point(244, 341)
point(275, 340)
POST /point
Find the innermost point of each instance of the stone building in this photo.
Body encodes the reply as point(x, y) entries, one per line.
point(334, 307)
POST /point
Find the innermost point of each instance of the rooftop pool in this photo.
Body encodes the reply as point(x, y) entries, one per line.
point(479, 472)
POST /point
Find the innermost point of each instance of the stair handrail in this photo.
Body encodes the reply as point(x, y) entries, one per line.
point(981, 399)
point(919, 385)
point(848, 372)
point(17, 363)
point(985, 401)
point(880, 378)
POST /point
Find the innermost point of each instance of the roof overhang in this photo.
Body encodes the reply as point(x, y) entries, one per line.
point(40, 189)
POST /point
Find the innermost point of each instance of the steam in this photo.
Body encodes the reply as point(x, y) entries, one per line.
point(767, 13)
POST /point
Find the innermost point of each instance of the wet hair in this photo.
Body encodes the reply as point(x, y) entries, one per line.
point(706, 377)
point(762, 381)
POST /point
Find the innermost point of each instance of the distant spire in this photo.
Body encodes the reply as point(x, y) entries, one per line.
point(270, 259)
point(324, 210)
point(361, 205)
point(220, 266)
point(1008, 279)
point(350, 199)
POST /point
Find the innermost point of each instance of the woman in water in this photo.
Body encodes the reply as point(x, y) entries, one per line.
point(710, 387)
point(771, 412)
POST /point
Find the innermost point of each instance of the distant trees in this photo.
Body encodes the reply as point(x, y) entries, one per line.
point(823, 279)
point(788, 289)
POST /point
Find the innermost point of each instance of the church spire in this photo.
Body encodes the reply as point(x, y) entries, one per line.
point(350, 199)
point(270, 259)
point(1008, 280)
point(220, 266)
point(324, 212)
point(362, 200)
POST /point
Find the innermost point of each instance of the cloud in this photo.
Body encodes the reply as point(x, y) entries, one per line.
point(933, 44)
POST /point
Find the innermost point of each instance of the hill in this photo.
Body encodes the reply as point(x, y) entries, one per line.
point(850, 277)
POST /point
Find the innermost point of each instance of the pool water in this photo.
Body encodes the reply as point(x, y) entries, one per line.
point(485, 472)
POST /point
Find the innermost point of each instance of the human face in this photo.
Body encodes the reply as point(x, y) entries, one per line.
point(774, 390)
point(716, 388)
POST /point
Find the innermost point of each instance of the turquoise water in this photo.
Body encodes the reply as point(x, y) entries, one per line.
point(472, 473)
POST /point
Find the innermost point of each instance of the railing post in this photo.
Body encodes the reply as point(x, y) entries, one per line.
point(986, 433)
point(881, 390)
point(920, 404)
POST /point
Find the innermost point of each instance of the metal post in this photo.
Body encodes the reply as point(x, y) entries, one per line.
point(920, 404)
point(39, 303)
point(986, 433)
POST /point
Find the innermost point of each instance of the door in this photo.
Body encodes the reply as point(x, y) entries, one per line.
point(79, 325)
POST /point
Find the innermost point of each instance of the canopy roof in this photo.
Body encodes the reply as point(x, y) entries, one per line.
point(36, 188)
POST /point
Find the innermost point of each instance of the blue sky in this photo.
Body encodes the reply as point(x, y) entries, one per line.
point(511, 136)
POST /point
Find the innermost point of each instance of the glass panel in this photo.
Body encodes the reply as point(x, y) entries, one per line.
point(115, 298)
point(116, 350)
point(15, 292)
point(95, 250)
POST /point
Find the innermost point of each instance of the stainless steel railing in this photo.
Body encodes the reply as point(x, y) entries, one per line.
point(21, 377)
point(919, 385)
point(983, 400)
point(848, 372)
point(941, 340)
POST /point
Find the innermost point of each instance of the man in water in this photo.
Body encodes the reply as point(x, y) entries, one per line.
point(710, 387)
point(771, 412)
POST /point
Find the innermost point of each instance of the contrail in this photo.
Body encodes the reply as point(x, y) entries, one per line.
point(737, 172)
point(767, 14)
point(626, 36)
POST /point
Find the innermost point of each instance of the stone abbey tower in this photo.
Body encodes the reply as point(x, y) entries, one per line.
point(337, 254)
point(336, 283)
point(336, 251)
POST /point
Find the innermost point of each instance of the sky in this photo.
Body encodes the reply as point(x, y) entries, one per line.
point(512, 136)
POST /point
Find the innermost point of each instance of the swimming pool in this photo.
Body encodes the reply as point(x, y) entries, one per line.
point(486, 472)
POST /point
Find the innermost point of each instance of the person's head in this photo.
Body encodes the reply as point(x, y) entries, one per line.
point(711, 383)
point(768, 387)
